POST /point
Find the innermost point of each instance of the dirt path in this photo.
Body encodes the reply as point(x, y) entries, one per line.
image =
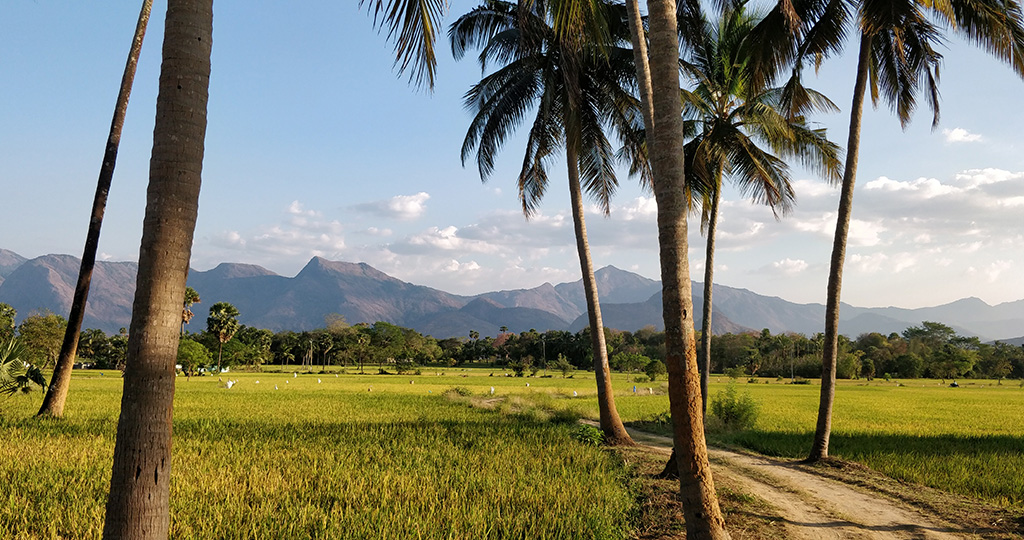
point(814, 507)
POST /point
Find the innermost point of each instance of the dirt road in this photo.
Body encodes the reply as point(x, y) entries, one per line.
point(813, 507)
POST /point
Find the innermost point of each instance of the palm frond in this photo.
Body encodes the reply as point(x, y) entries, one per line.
point(412, 27)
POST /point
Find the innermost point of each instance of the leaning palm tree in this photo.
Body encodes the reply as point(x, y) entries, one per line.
point(742, 132)
point(579, 90)
point(658, 76)
point(897, 60)
point(138, 505)
point(60, 382)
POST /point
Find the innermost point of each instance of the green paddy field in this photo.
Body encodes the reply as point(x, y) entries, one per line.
point(340, 455)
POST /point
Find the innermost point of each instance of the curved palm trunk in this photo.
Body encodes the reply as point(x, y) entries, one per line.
point(709, 275)
point(611, 424)
point(643, 69)
point(57, 392)
point(830, 349)
point(697, 489)
point(138, 503)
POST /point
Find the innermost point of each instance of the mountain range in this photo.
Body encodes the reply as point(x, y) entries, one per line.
point(362, 293)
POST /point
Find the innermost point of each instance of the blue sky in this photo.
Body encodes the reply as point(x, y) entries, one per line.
point(316, 147)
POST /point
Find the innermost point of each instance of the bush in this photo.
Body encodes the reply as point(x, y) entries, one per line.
point(589, 435)
point(735, 411)
point(735, 372)
point(655, 369)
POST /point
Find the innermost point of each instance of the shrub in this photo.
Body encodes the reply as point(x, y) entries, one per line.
point(655, 369)
point(734, 410)
point(735, 372)
point(589, 435)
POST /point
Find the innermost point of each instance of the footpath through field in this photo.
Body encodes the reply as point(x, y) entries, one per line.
point(814, 507)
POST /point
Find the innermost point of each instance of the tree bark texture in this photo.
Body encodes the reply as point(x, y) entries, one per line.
point(830, 350)
point(643, 70)
point(697, 490)
point(614, 432)
point(709, 277)
point(60, 383)
point(138, 504)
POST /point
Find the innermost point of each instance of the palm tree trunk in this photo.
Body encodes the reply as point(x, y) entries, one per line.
point(57, 392)
point(643, 68)
point(697, 489)
point(830, 349)
point(611, 424)
point(138, 503)
point(709, 276)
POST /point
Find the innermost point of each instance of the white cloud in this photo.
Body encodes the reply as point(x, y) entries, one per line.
point(924, 187)
point(296, 209)
point(813, 189)
point(959, 135)
point(401, 207)
point(881, 262)
point(787, 267)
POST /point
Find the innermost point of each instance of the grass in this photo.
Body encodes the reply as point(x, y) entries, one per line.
point(964, 440)
point(377, 456)
point(326, 459)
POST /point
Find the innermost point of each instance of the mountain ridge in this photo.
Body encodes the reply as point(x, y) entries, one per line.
point(363, 293)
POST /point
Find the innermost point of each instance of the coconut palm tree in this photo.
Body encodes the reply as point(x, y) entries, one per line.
point(191, 297)
point(743, 133)
point(60, 382)
point(16, 375)
point(580, 90)
point(223, 323)
point(897, 60)
point(138, 504)
point(664, 126)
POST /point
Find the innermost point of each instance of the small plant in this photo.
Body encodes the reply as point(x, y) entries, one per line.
point(736, 411)
point(800, 380)
point(589, 435)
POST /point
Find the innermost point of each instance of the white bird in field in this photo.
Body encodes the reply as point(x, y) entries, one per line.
point(257, 382)
point(574, 394)
point(286, 382)
point(294, 375)
point(335, 375)
point(318, 381)
point(492, 390)
point(275, 387)
point(230, 384)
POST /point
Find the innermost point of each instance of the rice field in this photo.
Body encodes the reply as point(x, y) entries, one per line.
point(294, 455)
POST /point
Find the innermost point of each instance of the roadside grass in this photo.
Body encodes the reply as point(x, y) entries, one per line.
point(319, 459)
point(966, 440)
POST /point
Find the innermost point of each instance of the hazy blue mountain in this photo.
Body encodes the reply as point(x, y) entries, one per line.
point(48, 283)
point(364, 294)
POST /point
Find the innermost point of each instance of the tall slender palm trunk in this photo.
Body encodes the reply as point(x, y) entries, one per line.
point(643, 70)
point(697, 489)
point(138, 503)
point(830, 349)
point(60, 383)
point(611, 424)
point(709, 277)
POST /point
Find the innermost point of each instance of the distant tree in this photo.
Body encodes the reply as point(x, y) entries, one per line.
point(222, 323)
point(629, 362)
point(257, 342)
point(7, 317)
point(564, 365)
point(655, 369)
point(908, 366)
point(192, 355)
point(42, 335)
point(191, 297)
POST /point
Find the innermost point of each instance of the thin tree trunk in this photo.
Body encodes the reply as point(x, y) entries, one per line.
point(138, 504)
point(643, 69)
point(709, 276)
point(611, 424)
point(57, 392)
point(830, 349)
point(697, 489)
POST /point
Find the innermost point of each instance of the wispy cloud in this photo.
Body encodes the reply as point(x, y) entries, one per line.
point(401, 207)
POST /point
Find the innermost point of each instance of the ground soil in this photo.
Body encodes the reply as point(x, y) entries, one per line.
point(767, 498)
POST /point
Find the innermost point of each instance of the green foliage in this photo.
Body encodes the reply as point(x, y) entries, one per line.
point(655, 369)
point(848, 366)
point(563, 365)
point(735, 411)
point(7, 317)
point(16, 375)
point(589, 435)
point(223, 321)
point(192, 356)
point(519, 366)
point(42, 335)
point(735, 372)
point(629, 361)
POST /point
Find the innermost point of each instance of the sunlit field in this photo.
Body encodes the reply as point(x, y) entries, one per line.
point(328, 455)
point(320, 456)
